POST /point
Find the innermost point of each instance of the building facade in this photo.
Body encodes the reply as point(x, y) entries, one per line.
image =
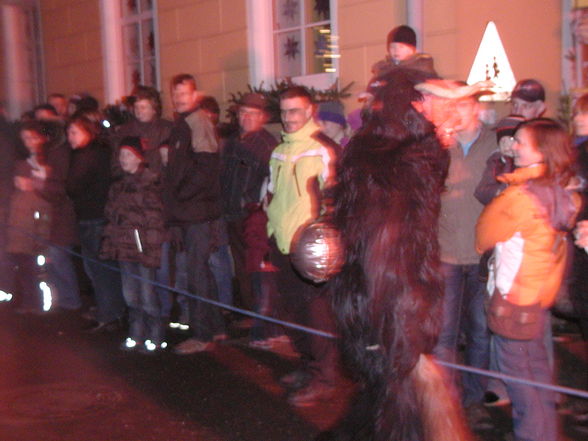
point(103, 47)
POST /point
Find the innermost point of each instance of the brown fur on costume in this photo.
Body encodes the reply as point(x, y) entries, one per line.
point(388, 295)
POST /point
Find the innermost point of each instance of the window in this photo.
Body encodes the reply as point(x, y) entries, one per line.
point(138, 33)
point(21, 54)
point(295, 39)
point(129, 37)
point(575, 47)
point(303, 43)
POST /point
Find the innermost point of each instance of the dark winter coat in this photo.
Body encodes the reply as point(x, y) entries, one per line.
point(88, 179)
point(245, 162)
point(29, 217)
point(418, 61)
point(489, 186)
point(135, 227)
point(63, 225)
point(56, 220)
point(191, 178)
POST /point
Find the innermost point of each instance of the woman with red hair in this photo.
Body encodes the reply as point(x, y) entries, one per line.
point(527, 227)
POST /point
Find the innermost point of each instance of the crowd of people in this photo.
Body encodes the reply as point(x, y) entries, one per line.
point(153, 203)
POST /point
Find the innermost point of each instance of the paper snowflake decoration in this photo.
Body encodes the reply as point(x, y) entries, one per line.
point(290, 9)
point(291, 47)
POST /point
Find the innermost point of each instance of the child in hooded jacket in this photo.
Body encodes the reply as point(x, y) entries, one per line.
point(134, 235)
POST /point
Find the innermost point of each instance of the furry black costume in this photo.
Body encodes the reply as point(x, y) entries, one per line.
point(388, 295)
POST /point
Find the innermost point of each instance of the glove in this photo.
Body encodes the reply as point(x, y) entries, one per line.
point(177, 239)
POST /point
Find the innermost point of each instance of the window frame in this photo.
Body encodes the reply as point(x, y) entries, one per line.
point(22, 51)
point(139, 19)
point(113, 47)
point(260, 30)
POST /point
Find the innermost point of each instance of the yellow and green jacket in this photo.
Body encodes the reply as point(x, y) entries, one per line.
point(300, 167)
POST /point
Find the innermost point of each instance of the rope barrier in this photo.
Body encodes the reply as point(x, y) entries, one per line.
point(210, 301)
point(507, 378)
point(179, 291)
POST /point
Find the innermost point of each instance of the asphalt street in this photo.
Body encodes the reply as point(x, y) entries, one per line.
point(58, 383)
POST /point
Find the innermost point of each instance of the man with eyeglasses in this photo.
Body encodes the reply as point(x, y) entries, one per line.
point(463, 303)
point(300, 167)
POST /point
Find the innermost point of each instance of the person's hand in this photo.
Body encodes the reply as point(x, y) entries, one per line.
point(23, 184)
point(581, 234)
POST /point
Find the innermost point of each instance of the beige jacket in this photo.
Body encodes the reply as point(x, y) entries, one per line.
point(459, 208)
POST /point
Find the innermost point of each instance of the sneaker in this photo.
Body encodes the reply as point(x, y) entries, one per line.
point(264, 345)
point(129, 344)
point(279, 339)
point(179, 326)
point(312, 395)
point(150, 347)
point(491, 399)
point(192, 346)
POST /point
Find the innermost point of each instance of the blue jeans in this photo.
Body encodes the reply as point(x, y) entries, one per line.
point(222, 269)
point(162, 276)
point(206, 320)
point(105, 281)
point(181, 283)
point(143, 302)
point(463, 310)
point(63, 277)
point(533, 408)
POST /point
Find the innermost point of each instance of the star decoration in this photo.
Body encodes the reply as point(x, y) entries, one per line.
point(290, 9)
point(291, 47)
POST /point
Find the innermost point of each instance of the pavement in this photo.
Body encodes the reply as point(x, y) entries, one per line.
point(60, 384)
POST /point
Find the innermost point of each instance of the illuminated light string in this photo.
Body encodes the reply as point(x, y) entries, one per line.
point(507, 378)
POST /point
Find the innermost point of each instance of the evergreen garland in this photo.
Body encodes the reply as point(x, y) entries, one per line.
point(273, 93)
